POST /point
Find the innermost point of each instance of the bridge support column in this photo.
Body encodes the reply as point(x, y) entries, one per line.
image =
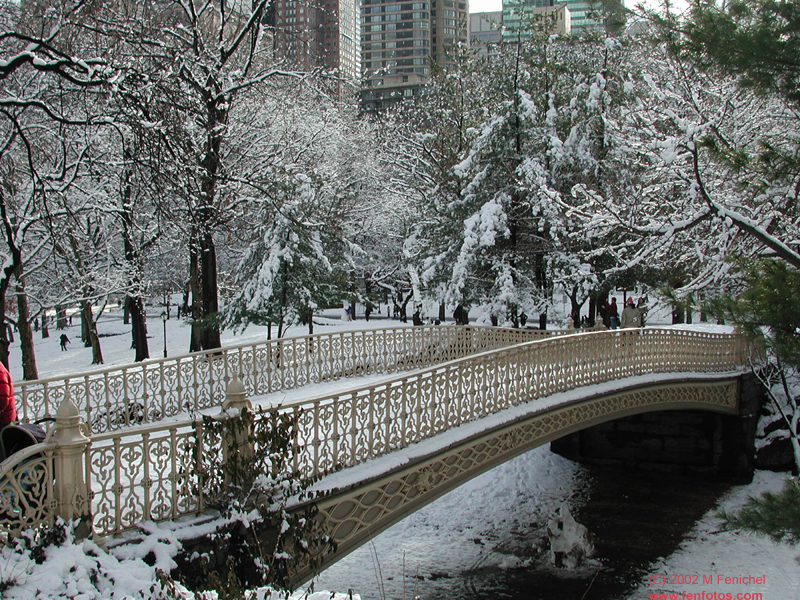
point(237, 446)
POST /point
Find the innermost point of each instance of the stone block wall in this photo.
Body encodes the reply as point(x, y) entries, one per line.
point(686, 442)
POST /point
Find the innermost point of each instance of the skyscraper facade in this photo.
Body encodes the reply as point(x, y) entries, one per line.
point(318, 33)
point(399, 40)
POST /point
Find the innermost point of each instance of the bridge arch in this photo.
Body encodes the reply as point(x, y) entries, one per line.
point(361, 508)
point(430, 428)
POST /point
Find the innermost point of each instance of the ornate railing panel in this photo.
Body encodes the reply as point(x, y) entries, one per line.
point(154, 472)
point(347, 428)
point(26, 490)
point(147, 392)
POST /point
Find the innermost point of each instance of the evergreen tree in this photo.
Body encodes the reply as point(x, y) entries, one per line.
point(497, 230)
point(775, 515)
point(756, 40)
point(767, 309)
point(288, 270)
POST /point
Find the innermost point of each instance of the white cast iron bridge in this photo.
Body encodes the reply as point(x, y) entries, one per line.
point(129, 444)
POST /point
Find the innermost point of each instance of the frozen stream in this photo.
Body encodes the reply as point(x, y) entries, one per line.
point(486, 539)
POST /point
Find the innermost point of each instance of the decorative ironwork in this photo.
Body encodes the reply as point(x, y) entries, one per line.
point(149, 391)
point(358, 513)
point(147, 472)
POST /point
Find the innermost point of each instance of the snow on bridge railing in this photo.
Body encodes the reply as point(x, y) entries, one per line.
point(153, 472)
point(146, 392)
point(353, 426)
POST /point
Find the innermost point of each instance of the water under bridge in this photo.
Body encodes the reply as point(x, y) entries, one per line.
point(395, 417)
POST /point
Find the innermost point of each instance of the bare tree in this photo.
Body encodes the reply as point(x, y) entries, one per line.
point(39, 69)
point(192, 62)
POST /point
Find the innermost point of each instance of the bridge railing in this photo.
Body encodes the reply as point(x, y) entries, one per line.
point(153, 472)
point(353, 426)
point(118, 397)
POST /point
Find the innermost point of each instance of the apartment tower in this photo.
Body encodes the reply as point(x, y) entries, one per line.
point(398, 42)
point(312, 34)
point(583, 16)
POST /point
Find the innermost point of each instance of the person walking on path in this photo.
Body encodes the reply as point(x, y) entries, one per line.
point(642, 306)
point(613, 314)
point(64, 340)
point(631, 315)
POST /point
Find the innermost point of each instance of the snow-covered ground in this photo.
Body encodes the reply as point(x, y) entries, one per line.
point(721, 557)
point(115, 341)
point(463, 530)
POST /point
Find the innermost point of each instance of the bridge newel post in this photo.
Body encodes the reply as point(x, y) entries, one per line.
point(237, 445)
point(70, 491)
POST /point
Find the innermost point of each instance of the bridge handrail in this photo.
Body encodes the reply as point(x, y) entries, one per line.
point(148, 472)
point(117, 397)
point(483, 384)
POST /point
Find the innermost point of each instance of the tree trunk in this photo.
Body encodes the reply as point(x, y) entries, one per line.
point(61, 318)
point(29, 370)
point(126, 321)
point(195, 340)
point(575, 308)
point(45, 326)
point(205, 306)
point(403, 307)
point(94, 341)
point(138, 328)
point(211, 335)
point(86, 326)
point(601, 308)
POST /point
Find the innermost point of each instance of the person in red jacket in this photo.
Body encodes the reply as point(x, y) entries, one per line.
point(8, 407)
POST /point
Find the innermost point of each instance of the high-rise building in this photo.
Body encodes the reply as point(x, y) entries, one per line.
point(318, 33)
point(400, 39)
point(485, 31)
point(583, 16)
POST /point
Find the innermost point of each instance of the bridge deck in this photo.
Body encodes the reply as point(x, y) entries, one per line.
point(154, 472)
point(380, 466)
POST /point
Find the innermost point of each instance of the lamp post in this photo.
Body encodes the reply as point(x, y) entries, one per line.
point(164, 320)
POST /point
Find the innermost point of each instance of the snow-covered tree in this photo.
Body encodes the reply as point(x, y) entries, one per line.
point(48, 79)
point(308, 209)
point(189, 65)
point(533, 133)
point(693, 195)
point(730, 140)
point(287, 272)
